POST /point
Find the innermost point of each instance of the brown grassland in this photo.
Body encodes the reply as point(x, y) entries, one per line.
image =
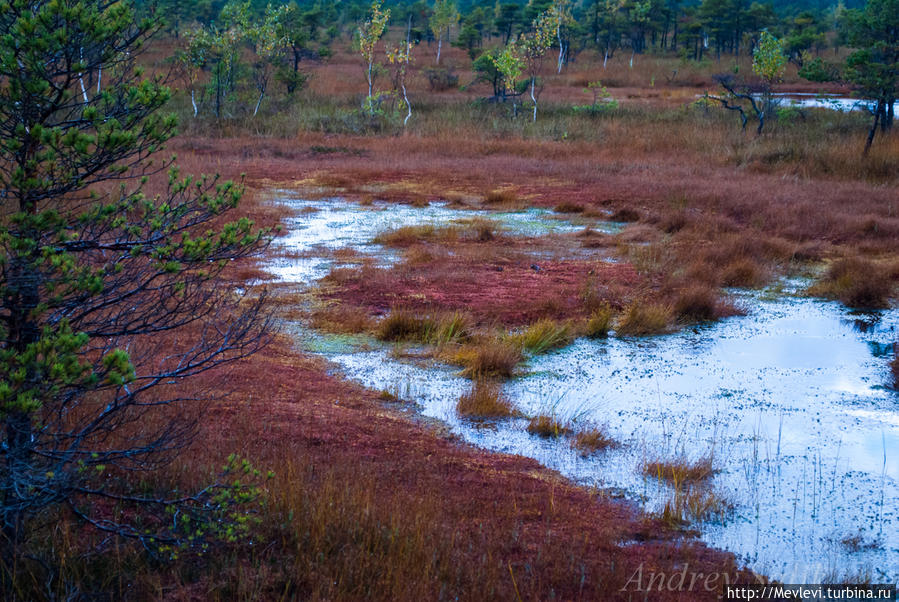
point(370, 502)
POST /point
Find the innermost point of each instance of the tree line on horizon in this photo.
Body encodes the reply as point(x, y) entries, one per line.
point(693, 29)
point(509, 42)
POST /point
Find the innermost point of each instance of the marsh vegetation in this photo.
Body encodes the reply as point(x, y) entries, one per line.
point(669, 284)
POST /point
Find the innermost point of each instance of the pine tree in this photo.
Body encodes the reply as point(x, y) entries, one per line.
point(95, 271)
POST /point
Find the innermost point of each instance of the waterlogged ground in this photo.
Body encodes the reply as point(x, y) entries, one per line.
point(326, 225)
point(827, 101)
point(789, 400)
point(834, 102)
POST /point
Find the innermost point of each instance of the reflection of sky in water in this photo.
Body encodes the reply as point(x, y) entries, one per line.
point(803, 100)
point(326, 225)
point(791, 397)
point(826, 101)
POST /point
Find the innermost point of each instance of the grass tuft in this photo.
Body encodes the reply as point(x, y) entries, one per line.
point(544, 335)
point(417, 255)
point(859, 542)
point(479, 229)
point(406, 236)
point(388, 397)
point(568, 207)
point(680, 471)
point(625, 215)
point(442, 329)
point(489, 358)
point(642, 319)
point(452, 328)
point(742, 272)
point(484, 400)
point(855, 282)
point(402, 325)
point(547, 426)
point(600, 322)
point(592, 439)
point(695, 504)
point(501, 197)
point(591, 239)
point(697, 303)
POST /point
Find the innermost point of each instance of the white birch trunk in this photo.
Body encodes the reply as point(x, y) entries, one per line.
point(408, 106)
point(258, 102)
point(561, 49)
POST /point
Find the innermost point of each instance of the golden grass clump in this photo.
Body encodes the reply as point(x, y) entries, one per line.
point(451, 328)
point(695, 504)
point(680, 471)
point(591, 239)
point(342, 275)
point(402, 325)
point(406, 236)
point(481, 230)
point(417, 255)
point(650, 258)
point(547, 426)
point(855, 282)
point(501, 197)
point(642, 319)
point(544, 335)
point(489, 358)
point(441, 329)
point(334, 181)
point(484, 400)
point(476, 229)
point(600, 322)
point(592, 439)
point(388, 397)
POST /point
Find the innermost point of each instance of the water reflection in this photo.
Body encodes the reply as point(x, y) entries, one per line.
point(790, 399)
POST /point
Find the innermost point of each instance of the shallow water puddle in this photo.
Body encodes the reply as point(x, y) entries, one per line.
point(827, 101)
point(834, 102)
point(789, 399)
point(326, 225)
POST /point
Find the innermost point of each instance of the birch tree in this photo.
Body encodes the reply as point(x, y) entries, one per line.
point(270, 43)
point(442, 19)
point(561, 11)
point(367, 36)
point(510, 65)
point(400, 58)
point(529, 51)
point(194, 58)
